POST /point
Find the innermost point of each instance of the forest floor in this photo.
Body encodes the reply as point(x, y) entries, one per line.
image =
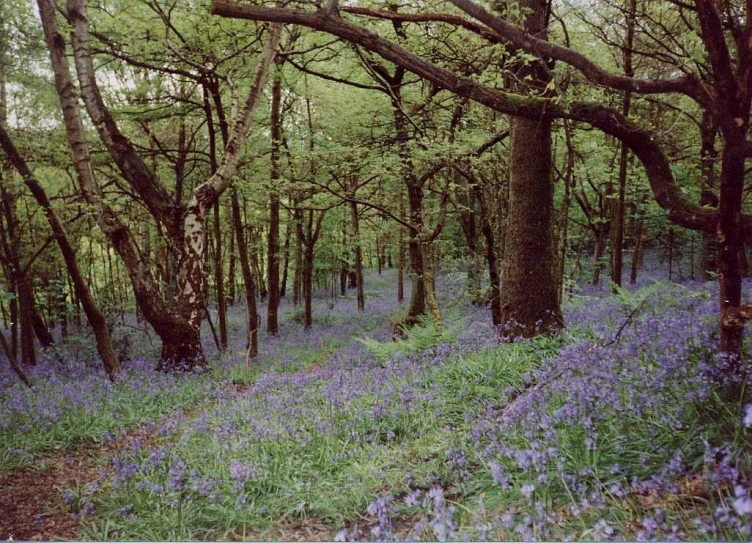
point(347, 432)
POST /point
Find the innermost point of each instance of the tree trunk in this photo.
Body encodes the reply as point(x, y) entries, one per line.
point(307, 274)
point(13, 362)
point(600, 249)
point(298, 278)
point(41, 331)
point(25, 295)
point(638, 250)
point(272, 324)
point(358, 249)
point(563, 226)
point(250, 286)
point(231, 273)
point(729, 249)
point(401, 251)
point(617, 219)
point(219, 280)
point(286, 266)
point(429, 283)
point(494, 278)
point(708, 156)
point(529, 297)
point(184, 225)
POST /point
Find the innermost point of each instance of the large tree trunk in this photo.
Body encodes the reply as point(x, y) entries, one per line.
point(529, 297)
point(729, 249)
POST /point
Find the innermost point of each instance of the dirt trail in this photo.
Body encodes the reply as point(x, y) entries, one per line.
point(31, 504)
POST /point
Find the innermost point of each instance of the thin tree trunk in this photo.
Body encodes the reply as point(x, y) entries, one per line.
point(272, 324)
point(494, 277)
point(401, 260)
point(13, 362)
point(638, 250)
point(298, 278)
point(219, 280)
point(252, 318)
point(563, 230)
point(708, 156)
point(286, 266)
point(617, 219)
point(231, 272)
point(358, 249)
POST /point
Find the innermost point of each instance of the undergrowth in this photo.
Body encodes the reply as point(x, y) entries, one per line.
point(614, 429)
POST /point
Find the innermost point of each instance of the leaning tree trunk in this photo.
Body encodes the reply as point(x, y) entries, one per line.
point(179, 329)
point(93, 314)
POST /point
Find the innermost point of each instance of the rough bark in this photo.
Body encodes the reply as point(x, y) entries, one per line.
point(529, 295)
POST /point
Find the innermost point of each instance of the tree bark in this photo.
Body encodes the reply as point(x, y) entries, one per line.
point(252, 318)
point(617, 219)
point(272, 253)
point(358, 249)
point(529, 297)
point(708, 156)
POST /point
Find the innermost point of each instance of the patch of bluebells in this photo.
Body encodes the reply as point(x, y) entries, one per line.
point(525, 441)
point(652, 376)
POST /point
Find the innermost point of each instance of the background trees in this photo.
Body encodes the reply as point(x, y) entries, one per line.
point(381, 142)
